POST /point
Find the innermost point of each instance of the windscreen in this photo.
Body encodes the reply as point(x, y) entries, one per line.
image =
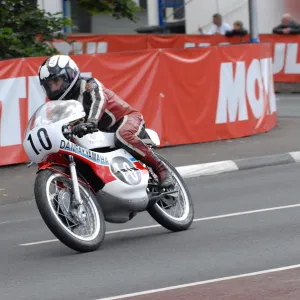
point(54, 111)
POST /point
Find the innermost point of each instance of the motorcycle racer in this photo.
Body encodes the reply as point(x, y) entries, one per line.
point(61, 80)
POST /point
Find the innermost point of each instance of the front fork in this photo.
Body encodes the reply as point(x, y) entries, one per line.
point(74, 177)
point(79, 211)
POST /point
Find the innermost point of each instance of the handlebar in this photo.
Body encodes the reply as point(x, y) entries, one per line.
point(68, 130)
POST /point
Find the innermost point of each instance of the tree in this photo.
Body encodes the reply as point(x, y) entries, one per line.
point(21, 23)
point(116, 8)
point(24, 28)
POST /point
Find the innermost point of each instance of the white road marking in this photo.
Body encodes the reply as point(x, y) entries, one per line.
point(195, 220)
point(40, 242)
point(213, 168)
point(295, 155)
point(202, 282)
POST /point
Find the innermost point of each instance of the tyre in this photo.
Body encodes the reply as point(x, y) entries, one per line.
point(161, 212)
point(53, 193)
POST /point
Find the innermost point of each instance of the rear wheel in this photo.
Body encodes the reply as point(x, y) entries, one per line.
point(53, 194)
point(173, 213)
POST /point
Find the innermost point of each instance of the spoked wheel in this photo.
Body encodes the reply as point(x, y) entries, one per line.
point(80, 228)
point(174, 212)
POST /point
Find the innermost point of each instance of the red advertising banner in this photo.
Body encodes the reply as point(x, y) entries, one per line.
point(186, 95)
point(286, 55)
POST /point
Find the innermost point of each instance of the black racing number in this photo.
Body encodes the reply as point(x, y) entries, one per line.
point(47, 145)
point(125, 170)
point(32, 144)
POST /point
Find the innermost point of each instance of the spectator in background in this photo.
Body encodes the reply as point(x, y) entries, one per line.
point(219, 27)
point(238, 29)
point(287, 26)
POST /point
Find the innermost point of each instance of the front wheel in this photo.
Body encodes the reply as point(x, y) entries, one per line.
point(175, 214)
point(53, 194)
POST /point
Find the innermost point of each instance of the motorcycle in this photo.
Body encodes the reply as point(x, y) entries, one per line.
point(83, 182)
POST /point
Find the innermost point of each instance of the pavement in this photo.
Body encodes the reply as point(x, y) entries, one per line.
point(245, 222)
point(16, 182)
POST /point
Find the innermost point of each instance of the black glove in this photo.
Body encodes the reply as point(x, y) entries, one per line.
point(84, 128)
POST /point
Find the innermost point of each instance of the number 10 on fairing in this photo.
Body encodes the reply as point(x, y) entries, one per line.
point(45, 144)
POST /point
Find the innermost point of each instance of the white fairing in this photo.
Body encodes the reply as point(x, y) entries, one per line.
point(95, 140)
point(134, 182)
point(44, 136)
point(153, 136)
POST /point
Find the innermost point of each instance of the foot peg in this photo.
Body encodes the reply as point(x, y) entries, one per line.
point(154, 197)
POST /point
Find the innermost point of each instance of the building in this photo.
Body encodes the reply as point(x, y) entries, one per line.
point(194, 13)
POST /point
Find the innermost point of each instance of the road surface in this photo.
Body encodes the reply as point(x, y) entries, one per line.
point(246, 222)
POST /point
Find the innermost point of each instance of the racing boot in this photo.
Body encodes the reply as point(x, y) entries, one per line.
point(164, 176)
